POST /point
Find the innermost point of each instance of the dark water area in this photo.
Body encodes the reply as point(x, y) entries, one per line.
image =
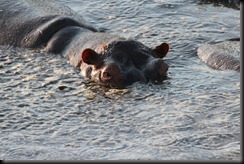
point(49, 112)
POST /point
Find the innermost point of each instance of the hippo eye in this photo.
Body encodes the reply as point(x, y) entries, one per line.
point(106, 75)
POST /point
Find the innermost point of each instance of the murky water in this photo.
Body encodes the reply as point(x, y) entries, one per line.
point(48, 111)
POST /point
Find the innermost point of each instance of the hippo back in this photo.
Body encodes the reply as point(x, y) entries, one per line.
point(50, 7)
point(222, 56)
point(28, 19)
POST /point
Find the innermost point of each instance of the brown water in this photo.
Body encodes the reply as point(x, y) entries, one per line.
point(48, 111)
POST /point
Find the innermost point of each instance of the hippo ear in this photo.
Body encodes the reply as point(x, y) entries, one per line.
point(161, 50)
point(89, 56)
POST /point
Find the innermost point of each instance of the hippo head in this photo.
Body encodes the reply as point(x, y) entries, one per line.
point(124, 62)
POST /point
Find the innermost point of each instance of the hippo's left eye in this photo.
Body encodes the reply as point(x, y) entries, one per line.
point(106, 75)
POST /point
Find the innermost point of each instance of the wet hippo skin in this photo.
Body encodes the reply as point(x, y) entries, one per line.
point(224, 55)
point(221, 56)
point(101, 57)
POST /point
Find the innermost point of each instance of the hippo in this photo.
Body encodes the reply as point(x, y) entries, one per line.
point(224, 55)
point(107, 59)
point(221, 56)
point(234, 4)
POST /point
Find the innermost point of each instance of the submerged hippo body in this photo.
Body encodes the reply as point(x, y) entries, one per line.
point(104, 58)
point(235, 4)
point(221, 56)
point(224, 55)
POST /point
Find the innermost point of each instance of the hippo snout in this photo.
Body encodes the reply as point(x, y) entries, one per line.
point(118, 76)
point(162, 67)
point(156, 70)
point(111, 74)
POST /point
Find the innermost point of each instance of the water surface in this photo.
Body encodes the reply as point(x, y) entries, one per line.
point(48, 111)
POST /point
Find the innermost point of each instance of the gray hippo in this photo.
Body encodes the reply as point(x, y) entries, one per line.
point(225, 55)
point(101, 57)
point(235, 4)
point(221, 56)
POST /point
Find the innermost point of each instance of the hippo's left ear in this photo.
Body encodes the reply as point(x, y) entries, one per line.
point(89, 56)
point(161, 50)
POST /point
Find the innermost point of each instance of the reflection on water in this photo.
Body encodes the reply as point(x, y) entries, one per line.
point(48, 111)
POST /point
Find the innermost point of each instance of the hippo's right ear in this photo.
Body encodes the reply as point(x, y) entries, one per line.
point(89, 56)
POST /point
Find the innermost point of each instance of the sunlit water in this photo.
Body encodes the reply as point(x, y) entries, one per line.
point(48, 111)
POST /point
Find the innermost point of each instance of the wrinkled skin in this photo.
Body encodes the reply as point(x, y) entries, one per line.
point(225, 55)
point(101, 57)
point(221, 56)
